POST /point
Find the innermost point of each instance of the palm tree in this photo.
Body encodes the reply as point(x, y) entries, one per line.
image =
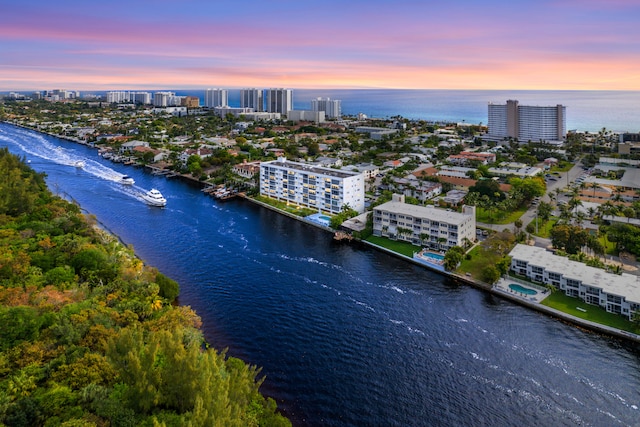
point(565, 213)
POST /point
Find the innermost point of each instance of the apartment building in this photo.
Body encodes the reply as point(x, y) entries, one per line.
point(332, 107)
point(216, 98)
point(527, 123)
point(306, 116)
point(252, 98)
point(616, 293)
point(316, 187)
point(279, 100)
point(438, 229)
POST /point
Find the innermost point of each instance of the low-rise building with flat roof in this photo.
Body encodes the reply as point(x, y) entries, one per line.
point(616, 293)
point(429, 226)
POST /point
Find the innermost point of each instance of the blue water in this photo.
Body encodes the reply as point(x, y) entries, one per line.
point(436, 257)
point(346, 335)
point(522, 289)
point(586, 110)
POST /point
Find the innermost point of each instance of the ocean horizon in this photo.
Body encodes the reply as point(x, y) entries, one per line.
point(587, 110)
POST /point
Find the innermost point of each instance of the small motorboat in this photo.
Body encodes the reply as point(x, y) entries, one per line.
point(127, 180)
point(79, 164)
point(154, 198)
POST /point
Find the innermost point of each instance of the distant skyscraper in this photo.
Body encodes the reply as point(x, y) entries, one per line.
point(527, 123)
point(164, 99)
point(216, 98)
point(332, 107)
point(279, 100)
point(118, 96)
point(252, 98)
point(141, 98)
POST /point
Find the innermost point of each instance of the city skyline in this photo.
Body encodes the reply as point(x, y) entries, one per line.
point(410, 44)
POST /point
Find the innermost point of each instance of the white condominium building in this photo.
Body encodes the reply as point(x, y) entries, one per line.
point(141, 98)
point(252, 98)
point(527, 123)
point(279, 100)
point(324, 189)
point(166, 99)
point(118, 96)
point(428, 226)
point(332, 107)
point(616, 293)
point(216, 98)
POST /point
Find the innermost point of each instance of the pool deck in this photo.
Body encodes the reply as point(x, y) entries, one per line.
point(503, 286)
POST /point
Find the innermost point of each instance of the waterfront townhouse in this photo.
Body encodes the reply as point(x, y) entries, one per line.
point(316, 187)
point(428, 226)
point(616, 293)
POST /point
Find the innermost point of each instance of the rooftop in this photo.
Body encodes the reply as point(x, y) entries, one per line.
point(416, 211)
point(304, 167)
point(626, 285)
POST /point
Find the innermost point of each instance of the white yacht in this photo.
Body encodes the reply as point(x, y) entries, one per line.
point(79, 164)
point(154, 198)
point(127, 180)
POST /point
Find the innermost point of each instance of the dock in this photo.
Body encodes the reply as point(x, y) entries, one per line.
point(162, 172)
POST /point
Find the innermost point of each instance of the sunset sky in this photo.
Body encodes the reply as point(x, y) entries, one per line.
point(456, 44)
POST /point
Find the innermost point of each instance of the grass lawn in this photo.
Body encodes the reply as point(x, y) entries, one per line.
point(290, 208)
point(544, 228)
point(561, 302)
point(498, 217)
point(479, 260)
point(609, 247)
point(400, 247)
point(562, 167)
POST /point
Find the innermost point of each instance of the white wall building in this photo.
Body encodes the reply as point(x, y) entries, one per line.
point(527, 123)
point(252, 98)
point(332, 107)
point(429, 226)
point(315, 187)
point(117, 96)
point(369, 170)
point(216, 98)
point(279, 100)
point(141, 98)
point(306, 116)
point(166, 99)
point(616, 293)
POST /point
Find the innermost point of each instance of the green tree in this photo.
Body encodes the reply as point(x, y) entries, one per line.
point(490, 274)
point(19, 324)
point(568, 237)
point(169, 288)
point(452, 258)
point(544, 211)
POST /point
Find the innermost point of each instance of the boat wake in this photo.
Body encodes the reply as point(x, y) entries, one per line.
point(46, 150)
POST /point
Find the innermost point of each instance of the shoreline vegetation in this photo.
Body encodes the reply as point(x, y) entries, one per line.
point(90, 334)
point(559, 311)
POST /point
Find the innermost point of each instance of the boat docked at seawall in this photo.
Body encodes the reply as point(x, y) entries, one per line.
point(154, 198)
point(127, 180)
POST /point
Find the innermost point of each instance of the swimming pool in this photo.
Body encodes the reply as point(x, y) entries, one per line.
point(521, 289)
point(319, 218)
point(437, 258)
